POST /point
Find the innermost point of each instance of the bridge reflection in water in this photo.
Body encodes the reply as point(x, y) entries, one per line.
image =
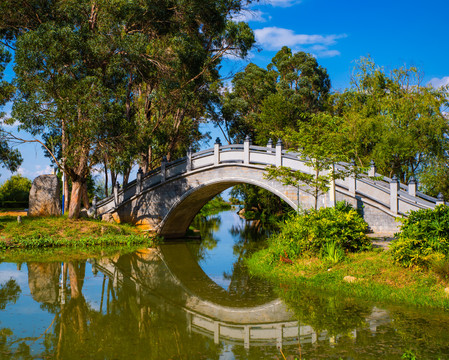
point(171, 278)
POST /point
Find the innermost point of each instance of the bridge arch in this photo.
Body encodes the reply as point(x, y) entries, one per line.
point(182, 212)
point(166, 199)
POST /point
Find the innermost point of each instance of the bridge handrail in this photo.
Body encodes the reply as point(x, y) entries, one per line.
point(379, 182)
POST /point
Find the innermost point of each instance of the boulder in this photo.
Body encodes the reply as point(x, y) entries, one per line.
point(44, 196)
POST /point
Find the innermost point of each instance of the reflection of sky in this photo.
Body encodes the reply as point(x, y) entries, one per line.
point(25, 318)
point(221, 259)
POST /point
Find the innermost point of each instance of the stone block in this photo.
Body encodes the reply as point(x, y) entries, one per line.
point(44, 196)
point(108, 218)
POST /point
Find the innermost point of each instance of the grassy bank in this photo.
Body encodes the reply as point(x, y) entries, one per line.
point(61, 232)
point(373, 275)
point(328, 249)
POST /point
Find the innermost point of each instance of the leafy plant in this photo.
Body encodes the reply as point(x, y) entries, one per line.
point(423, 239)
point(308, 233)
point(332, 252)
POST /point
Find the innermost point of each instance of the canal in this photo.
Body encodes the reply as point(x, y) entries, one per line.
point(195, 300)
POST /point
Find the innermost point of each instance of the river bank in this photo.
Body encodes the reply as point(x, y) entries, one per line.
point(47, 232)
point(368, 275)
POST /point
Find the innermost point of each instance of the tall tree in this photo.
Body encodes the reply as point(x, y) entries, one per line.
point(94, 70)
point(294, 86)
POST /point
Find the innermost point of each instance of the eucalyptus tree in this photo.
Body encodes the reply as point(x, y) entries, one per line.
point(279, 101)
point(262, 101)
point(93, 71)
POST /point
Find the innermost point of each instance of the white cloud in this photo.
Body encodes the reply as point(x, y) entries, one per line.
point(281, 3)
point(437, 82)
point(251, 15)
point(38, 170)
point(273, 38)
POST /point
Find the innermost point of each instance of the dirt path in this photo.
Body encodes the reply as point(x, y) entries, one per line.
point(13, 213)
point(380, 240)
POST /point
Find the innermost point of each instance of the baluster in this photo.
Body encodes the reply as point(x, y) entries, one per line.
point(394, 188)
point(279, 153)
point(217, 151)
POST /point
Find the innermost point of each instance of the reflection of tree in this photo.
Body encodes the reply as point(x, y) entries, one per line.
point(336, 314)
point(207, 226)
point(249, 237)
point(9, 292)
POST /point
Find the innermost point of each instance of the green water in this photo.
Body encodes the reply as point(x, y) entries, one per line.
point(195, 300)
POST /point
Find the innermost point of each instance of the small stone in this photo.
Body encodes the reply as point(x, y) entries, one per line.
point(349, 279)
point(19, 219)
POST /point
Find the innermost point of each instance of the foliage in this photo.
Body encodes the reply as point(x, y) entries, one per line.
point(393, 119)
point(321, 142)
point(378, 278)
point(332, 252)
point(307, 234)
point(9, 292)
point(214, 206)
point(275, 101)
point(262, 101)
point(15, 189)
point(423, 237)
point(260, 204)
point(116, 82)
point(337, 315)
point(9, 158)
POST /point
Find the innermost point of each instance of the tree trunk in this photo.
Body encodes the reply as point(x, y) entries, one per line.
point(85, 196)
point(75, 203)
point(106, 179)
point(64, 143)
point(126, 177)
point(113, 178)
point(66, 193)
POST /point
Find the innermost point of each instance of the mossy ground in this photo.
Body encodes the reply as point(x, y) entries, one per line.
point(377, 278)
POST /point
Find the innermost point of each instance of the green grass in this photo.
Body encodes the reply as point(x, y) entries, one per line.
point(377, 278)
point(50, 232)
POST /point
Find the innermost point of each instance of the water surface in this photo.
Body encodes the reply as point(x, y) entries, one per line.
point(195, 300)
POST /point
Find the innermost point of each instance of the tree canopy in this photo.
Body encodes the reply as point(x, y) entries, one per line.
point(115, 82)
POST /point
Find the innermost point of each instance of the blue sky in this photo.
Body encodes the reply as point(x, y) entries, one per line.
point(394, 33)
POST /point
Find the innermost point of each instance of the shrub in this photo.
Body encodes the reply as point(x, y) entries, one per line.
point(309, 233)
point(14, 191)
point(423, 237)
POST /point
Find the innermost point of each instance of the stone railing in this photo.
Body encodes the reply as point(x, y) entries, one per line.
point(380, 191)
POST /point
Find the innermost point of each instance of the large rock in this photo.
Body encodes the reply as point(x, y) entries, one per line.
point(44, 196)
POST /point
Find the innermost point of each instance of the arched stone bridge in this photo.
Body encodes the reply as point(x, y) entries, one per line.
point(167, 199)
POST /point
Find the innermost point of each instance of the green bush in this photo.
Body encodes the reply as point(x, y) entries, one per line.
point(423, 237)
point(15, 190)
point(309, 233)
